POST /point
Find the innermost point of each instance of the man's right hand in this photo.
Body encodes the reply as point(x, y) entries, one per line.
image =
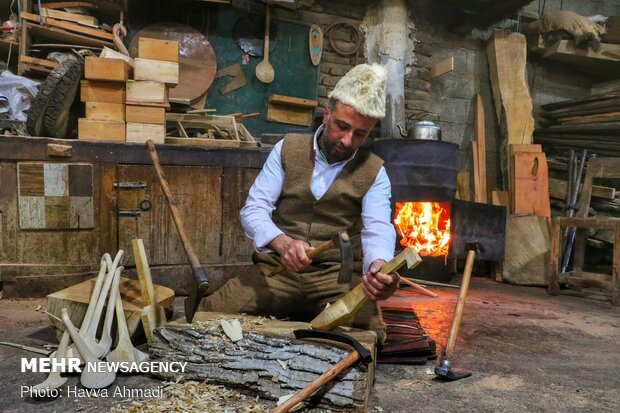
point(293, 252)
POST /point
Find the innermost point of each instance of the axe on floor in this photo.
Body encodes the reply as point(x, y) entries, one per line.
point(343, 243)
point(199, 289)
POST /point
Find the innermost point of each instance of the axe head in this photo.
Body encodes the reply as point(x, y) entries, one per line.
point(342, 241)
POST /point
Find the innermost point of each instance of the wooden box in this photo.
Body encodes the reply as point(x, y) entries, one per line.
point(101, 130)
point(145, 114)
point(141, 132)
point(146, 69)
point(149, 91)
point(157, 49)
point(98, 91)
point(100, 68)
point(105, 111)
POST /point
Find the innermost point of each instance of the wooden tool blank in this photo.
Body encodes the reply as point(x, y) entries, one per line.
point(317, 251)
point(531, 187)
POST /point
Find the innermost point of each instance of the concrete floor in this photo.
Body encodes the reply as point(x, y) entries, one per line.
point(528, 352)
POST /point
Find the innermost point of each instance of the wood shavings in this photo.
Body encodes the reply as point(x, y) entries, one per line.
point(193, 396)
point(232, 329)
point(284, 364)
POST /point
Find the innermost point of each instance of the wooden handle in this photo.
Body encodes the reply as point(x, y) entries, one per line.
point(266, 45)
point(326, 377)
point(317, 251)
point(460, 303)
point(176, 216)
point(418, 287)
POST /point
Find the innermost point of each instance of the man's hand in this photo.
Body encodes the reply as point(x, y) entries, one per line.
point(293, 252)
point(378, 286)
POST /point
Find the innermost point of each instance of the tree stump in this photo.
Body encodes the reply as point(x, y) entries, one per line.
point(268, 361)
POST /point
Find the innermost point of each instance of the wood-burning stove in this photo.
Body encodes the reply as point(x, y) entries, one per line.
point(425, 212)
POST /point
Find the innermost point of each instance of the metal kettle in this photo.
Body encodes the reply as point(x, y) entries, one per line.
point(422, 129)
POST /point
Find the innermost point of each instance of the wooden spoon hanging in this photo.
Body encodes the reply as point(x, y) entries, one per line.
point(264, 70)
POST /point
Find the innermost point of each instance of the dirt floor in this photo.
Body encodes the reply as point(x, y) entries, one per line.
point(528, 352)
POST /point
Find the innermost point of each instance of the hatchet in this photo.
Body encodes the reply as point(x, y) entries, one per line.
point(199, 289)
point(344, 309)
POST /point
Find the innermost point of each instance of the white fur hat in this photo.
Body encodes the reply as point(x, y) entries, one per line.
point(363, 88)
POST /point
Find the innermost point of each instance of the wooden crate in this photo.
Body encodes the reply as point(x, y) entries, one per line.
point(167, 72)
point(105, 111)
point(99, 91)
point(145, 114)
point(157, 49)
point(101, 130)
point(147, 91)
point(101, 68)
point(141, 132)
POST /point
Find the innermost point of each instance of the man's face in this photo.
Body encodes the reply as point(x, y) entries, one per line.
point(345, 130)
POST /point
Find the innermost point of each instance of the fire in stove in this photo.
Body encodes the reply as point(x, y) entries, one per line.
point(424, 226)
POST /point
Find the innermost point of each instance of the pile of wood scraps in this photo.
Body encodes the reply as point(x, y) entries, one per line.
point(208, 130)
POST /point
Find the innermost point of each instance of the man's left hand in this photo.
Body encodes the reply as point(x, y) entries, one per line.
point(378, 286)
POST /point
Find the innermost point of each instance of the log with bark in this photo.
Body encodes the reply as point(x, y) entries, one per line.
point(267, 362)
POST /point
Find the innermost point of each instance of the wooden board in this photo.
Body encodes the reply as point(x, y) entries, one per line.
point(71, 17)
point(113, 54)
point(69, 26)
point(98, 91)
point(145, 114)
point(480, 166)
point(443, 67)
point(558, 188)
point(105, 111)
point(100, 68)
point(612, 86)
point(527, 250)
point(36, 61)
point(290, 110)
point(512, 149)
point(158, 49)
point(531, 191)
point(315, 44)
point(293, 101)
point(101, 130)
point(64, 36)
point(256, 368)
point(147, 91)
point(146, 69)
point(221, 143)
point(507, 57)
point(76, 298)
point(604, 63)
point(141, 132)
point(500, 198)
point(603, 117)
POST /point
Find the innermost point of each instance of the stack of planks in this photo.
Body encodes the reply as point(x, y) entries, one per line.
point(590, 123)
point(126, 99)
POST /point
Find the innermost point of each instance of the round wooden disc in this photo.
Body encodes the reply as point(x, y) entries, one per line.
point(197, 64)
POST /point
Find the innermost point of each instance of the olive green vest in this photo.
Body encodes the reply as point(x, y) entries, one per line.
point(299, 215)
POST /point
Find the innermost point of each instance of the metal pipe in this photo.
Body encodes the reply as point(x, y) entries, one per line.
point(570, 240)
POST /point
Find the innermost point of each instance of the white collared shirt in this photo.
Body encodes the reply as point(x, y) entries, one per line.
point(378, 234)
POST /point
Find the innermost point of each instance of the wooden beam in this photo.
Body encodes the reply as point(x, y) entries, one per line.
point(480, 192)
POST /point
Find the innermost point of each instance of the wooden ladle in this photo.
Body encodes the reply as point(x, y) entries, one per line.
point(89, 379)
point(264, 70)
point(54, 380)
point(105, 342)
point(124, 351)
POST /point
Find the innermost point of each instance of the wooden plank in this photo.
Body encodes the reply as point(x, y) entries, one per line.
point(101, 130)
point(480, 193)
point(512, 149)
point(36, 61)
point(558, 188)
point(67, 37)
point(500, 198)
point(528, 246)
point(221, 143)
point(147, 91)
point(613, 86)
point(462, 185)
point(71, 17)
point(443, 67)
point(146, 69)
point(293, 101)
point(603, 117)
point(141, 132)
point(531, 192)
point(507, 58)
point(145, 114)
point(292, 115)
point(157, 49)
point(476, 169)
point(98, 91)
point(590, 222)
point(605, 62)
point(68, 26)
point(99, 68)
point(105, 111)
point(76, 298)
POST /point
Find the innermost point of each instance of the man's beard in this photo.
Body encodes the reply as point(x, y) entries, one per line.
point(336, 151)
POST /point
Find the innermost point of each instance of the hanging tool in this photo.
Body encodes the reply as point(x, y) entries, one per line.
point(264, 70)
point(199, 289)
point(445, 369)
